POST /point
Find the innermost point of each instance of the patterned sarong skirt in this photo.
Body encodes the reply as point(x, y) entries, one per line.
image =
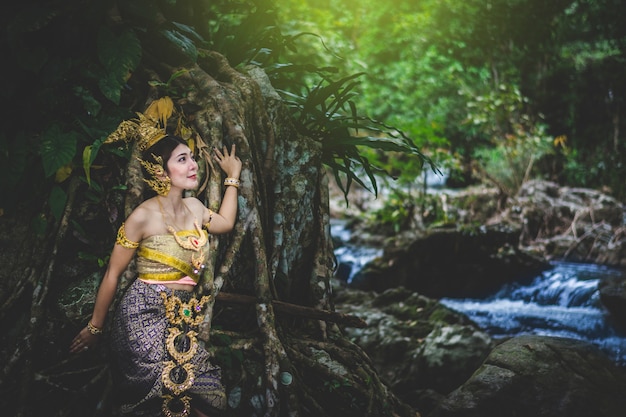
point(141, 342)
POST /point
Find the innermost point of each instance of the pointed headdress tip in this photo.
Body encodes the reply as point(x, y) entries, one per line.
point(146, 129)
point(148, 132)
point(126, 131)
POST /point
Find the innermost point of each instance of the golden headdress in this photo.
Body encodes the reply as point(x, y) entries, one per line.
point(148, 128)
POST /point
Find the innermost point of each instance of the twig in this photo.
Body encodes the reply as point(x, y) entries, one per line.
point(582, 238)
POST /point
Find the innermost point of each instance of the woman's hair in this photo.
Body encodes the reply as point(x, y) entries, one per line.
point(163, 148)
point(151, 166)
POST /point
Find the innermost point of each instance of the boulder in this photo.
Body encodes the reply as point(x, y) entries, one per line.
point(452, 262)
point(537, 376)
point(613, 297)
point(567, 223)
point(420, 348)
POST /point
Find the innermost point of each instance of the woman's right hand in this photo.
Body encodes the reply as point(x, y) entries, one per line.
point(83, 341)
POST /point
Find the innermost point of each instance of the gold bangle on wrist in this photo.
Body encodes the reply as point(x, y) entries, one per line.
point(232, 181)
point(93, 329)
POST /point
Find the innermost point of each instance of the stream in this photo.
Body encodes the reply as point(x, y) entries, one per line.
point(562, 302)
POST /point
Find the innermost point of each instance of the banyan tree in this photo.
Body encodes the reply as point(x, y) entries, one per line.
point(273, 328)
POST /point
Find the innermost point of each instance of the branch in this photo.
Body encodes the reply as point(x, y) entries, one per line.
point(295, 309)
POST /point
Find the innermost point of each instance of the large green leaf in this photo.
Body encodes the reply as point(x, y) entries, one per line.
point(189, 30)
point(57, 148)
point(121, 52)
point(111, 86)
point(57, 201)
point(119, 55)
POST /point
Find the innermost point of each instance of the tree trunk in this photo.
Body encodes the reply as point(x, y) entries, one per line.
point(278, 258)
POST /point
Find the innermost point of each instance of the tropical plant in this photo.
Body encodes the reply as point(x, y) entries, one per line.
point(80, 69)
point(518, 141)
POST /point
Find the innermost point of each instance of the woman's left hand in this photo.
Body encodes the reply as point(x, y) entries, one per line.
point(229, 162)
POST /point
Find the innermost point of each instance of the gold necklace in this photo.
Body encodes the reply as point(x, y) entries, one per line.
point(191, 242)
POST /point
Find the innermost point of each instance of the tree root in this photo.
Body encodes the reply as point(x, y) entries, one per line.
point(279, 255)
point(41, 276)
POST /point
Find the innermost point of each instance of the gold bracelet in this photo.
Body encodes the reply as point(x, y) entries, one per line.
point(232, 181)
point(93, 329)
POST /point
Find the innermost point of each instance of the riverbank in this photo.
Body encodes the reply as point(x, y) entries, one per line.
point(435, 356)
point(482, 246)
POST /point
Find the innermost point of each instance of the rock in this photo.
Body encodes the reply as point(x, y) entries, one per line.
point(536, 376)
point(423, 358)
point(565, 223)
point(613, 297)
point(419, 347)
point(450, 353)
point(452, 263)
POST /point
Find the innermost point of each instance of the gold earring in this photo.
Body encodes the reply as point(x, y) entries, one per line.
point(160, 182)
point(161, 186)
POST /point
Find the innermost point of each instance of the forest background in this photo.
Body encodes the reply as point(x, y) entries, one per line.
point(498, 90)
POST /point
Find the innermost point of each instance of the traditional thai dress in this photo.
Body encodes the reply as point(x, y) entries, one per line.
point(161, 367)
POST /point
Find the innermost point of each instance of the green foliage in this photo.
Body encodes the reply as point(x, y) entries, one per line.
point(100, 261)
point(56, 148)
point(57, 201)
point(328, 113)
point(397, 212)
point(183, 43)
point(335, 384)
point(509, 164)
point(517, 140)
point(96, 65)
point(119, 56)
point(68, 64)
point(167, 87)
point(418, 56)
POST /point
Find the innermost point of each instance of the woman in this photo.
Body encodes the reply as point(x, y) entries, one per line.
point(155, 350)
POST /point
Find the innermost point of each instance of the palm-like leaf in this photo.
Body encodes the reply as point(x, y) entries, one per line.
point(328, 114)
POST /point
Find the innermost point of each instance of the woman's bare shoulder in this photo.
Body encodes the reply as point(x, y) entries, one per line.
point(146, 219)
point(193, 203)
point(144, 211)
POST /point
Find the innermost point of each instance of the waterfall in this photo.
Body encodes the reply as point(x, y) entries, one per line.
point(561, 302)
point(350, 258)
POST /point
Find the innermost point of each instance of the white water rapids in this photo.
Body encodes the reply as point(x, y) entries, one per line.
point(562, 302)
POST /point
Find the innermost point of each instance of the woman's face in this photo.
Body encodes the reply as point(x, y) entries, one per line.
point(183, 168)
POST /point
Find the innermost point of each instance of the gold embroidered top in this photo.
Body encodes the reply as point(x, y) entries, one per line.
point(161, 258)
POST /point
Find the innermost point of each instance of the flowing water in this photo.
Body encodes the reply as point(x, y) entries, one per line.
point(351, 258)
point(562, 301)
